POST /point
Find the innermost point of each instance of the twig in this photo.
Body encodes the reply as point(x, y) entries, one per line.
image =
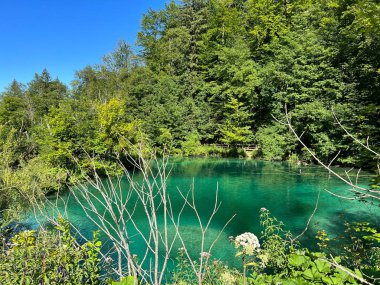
point(309, 220)
point(335, 264)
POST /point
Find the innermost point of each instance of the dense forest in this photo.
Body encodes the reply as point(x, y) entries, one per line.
point(206, 72)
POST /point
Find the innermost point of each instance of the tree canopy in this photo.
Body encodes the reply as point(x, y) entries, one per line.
point(210, 72)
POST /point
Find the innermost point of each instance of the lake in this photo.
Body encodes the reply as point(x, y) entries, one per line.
point(288, 191)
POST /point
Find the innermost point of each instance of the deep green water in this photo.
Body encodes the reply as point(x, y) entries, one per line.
point(289, 192)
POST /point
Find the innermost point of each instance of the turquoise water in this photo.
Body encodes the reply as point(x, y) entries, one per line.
point(289, 192)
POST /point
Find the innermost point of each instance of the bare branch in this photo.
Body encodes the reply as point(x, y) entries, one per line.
point(309, 220)
point(366, 146)
point(362, 192)
point(335, 264)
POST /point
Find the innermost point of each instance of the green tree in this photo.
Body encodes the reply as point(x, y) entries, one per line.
point(42, 94)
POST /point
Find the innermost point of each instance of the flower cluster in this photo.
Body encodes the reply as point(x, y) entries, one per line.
point(248, 241)
point(205, 255)
point(227, 278)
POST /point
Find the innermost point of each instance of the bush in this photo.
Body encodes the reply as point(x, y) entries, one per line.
point(275, 143)
point(49, 257)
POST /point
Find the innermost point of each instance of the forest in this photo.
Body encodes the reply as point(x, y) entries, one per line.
point(206, 73)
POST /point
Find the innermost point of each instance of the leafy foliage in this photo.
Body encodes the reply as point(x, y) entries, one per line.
point(208, 73)
point(49, 257)
point(280, 260)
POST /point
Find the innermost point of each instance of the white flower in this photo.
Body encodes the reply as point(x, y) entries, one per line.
point(247, 241)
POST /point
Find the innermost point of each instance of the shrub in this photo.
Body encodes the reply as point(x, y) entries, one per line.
point(49, 257)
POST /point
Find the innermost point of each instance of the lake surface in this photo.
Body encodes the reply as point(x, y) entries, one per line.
point(288, 191)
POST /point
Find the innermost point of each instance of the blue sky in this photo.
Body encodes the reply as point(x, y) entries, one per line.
point(63, 36)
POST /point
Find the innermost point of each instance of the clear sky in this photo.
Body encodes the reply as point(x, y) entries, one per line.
point(63, 35)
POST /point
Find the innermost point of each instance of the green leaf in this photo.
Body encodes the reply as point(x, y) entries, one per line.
point(296, 260)
point(322, 266)
point(129, 280)
point(239, 253)
point(327, 280)
point(358, 273)
point(251, 264)
point(308, 274)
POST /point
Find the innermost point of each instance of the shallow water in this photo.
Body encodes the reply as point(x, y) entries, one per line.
point(289, 192)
